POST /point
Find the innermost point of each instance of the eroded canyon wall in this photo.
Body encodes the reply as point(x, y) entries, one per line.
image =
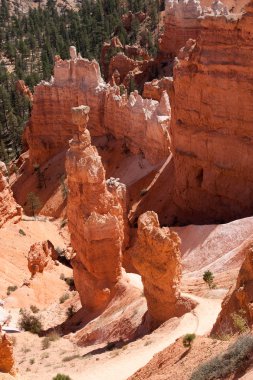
point(9, 209)
point(78, 81)
point(181, 23)
point(237, 305)
point(212, 118)
point(96, 218)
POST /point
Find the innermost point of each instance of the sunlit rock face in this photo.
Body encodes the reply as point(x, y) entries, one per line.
point(9, 209)
point(95, 217)
point(7, 363)
point(156, 256)
point(239, 301)
point(212, 119)
point(78, 81)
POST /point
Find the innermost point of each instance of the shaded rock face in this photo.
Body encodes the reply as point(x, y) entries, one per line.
point(23, 89)
point(96, 218)
point(9, 209)
point(212, 122)
point(240, 298)
point(40, 256)
point(155, 88)
point(128, 61)
point(156, 256)
point(7, 364)
point(130, 69)
point(78, 81)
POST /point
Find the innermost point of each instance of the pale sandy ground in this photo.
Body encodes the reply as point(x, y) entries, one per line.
point(118, 364)
point(199, 321)
point(64, 356)
point(14, 248)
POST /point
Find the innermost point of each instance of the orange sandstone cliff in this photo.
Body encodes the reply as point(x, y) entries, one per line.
point(212, 119)
point(181, 23)
point(240, 298)
point(9, 209)
point(78, 81)
point(95, 217)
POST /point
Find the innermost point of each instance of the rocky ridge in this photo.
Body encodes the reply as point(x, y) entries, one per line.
point(144, 124)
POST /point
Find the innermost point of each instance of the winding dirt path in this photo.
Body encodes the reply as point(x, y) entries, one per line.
point(138, 353)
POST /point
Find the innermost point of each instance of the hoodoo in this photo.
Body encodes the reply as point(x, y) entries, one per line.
point(95, 217)
point(7, 363)
point(156, 255)
point(40, 256)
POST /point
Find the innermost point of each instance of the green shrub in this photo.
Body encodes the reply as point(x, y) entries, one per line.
point(234, 359)
point(71, 311)
point(64, 222)
point(11, 289)
point(34, 309)
point(53, 336)
point(208, 277)
point(64, 298)
point(60, 376)
point(69, 281)
point(22, 232)
point(143, 192)
point(188, 339)
point(239, 322)
point(30, 322)
point(69, 358)
point(110, 346)
point(45, 343)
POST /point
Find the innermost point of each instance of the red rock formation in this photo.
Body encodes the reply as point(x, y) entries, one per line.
point(138, 69)
point(128, 18)
point(109, 48)
point(9, 209)
point(125, 62)
point(75, 81)
point(78, 81)
point(154, 89)
point(156, 256)
point(240, 298)
point(146, 123)
point(181, 23)
point(40, 256)
point(7, 364)
point(212, 122)
point(95, 218)
point(23, 89)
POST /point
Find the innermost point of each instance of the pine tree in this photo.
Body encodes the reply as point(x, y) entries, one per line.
point(33, 203)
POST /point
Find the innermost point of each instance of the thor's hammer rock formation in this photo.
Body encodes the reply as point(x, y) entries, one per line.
point(95, 218)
